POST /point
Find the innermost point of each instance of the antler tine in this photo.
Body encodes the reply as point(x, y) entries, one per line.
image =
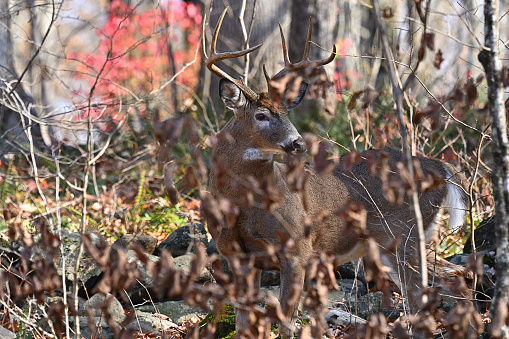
point(203, 47)
point(267, 77)
point(308, 41)
point(305, 62)
point(216, 57)
point(329, 59)
point(216, 32)
point(285, 49)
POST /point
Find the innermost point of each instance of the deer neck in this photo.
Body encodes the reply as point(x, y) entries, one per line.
point(235, 160)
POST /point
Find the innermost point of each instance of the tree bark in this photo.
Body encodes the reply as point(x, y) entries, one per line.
point(12, 132)
point(489, 58)
point(324, 14)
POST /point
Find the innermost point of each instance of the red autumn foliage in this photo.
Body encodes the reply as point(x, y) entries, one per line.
point(135, 52)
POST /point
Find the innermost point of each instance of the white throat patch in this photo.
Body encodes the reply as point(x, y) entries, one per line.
point(255, 154)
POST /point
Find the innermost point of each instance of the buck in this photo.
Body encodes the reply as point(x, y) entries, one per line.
point(245, 147)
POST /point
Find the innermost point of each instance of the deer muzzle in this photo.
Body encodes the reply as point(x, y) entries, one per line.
point(296, 146)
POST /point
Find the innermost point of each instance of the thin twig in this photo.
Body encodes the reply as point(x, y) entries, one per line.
point(414, 205)
point(471, 199)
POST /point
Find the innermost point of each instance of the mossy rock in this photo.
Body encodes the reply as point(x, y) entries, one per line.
point(225, 322)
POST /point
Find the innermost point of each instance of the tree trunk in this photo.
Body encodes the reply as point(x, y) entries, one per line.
point(324, 14)
point(489, 58)
point(12, 131)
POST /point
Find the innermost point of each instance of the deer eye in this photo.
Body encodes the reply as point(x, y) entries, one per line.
point(261, 117)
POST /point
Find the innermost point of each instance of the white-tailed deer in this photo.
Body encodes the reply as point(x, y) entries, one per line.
point(244, 150)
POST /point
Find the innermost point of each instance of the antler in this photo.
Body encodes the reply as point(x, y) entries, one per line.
point(215, 57)
point(305, 62)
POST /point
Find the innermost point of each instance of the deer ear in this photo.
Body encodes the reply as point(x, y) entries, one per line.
point(292, 101)
point(231, 94)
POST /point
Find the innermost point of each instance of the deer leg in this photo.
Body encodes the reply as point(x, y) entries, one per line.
point(242, 322)
point(405, 274)
point(292, 281)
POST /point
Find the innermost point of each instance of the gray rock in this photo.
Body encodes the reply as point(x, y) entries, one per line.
point(195, 317)
point(351, 270)
point(173, 309)
point(129, 241)
point(447, 303)
point(270, 278)
point(274, 290)
point(341, 317)
point(115, 309)
point(99, 329)
point(87, 268)
point(145, 288)
point(67, 262)
point(156, 320)
point(485, 237)
point(184, 240)
point(369, 304)
point(458, 259)
point(336, 297)
point(6, 334)
point(352, 287)
point(184, 263)
point(212, 248)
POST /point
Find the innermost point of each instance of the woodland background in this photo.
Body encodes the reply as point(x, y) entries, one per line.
point(106, 111)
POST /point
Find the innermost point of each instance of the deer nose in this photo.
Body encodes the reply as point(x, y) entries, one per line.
point(299, 145)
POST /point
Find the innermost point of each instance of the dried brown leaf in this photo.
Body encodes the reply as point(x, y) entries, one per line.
point(471, 92)
point(432, 180)
point(353, 101)
point(438, 59)
point(429, 40)
point(387, 12)
point(421, 53)
point(354, 215)
point(432, 111)
point(370, 95)
point(169, 171)
point(375, 270)
point(353, 158)
point(323, 165)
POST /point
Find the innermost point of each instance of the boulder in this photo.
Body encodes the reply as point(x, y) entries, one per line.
point(183, 240)
point(145, 288)
point(458, 259)
point(156, 320)
point(87, 270)
point(212, 248)
point(485, 237)
point(270, 278)
point(351, 270)
point(177, 310)
point(129, 241)
point(184, 263)
point(97, 301)
point(371, 303)
point(98, 329)
point(352, 287)
point(341, 317)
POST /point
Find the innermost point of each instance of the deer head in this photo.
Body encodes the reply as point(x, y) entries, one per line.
point(263, 117)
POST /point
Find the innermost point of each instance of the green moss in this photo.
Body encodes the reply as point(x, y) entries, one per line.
point(225, 322)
